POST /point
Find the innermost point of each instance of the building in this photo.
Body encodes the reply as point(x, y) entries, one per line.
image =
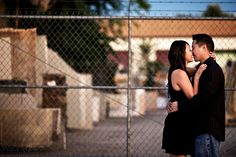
point(160, 33)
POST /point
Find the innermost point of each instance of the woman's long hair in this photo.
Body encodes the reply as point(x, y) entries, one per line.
point(176, 57)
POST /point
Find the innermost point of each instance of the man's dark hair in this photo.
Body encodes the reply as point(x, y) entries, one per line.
point(202, 39)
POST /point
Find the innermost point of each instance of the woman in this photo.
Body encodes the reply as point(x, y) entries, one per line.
point(177, 138)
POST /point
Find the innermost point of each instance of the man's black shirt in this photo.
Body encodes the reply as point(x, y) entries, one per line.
point(208, 106)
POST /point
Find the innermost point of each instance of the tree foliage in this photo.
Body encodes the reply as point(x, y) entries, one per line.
point(214, 10)
point(79, 42)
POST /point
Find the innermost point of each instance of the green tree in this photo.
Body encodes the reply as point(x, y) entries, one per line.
point(214, 10)
point(152, 69)
point(79, 42)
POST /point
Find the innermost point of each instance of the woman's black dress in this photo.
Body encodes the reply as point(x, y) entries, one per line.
point(177, 133)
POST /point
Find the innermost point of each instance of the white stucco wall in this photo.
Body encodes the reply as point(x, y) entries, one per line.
point(163, 43)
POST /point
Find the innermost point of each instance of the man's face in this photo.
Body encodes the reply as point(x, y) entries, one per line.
point(197, 50)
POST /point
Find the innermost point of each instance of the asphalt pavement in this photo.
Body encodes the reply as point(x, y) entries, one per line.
point(109, 137)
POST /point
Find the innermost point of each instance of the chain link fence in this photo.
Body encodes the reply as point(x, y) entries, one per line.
point(96, 86)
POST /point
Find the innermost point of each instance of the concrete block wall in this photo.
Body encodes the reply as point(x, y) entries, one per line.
point(23, 52)
point(28, 128)
point(5, 59)
point(79, 110)
point(40, 65)
point(28, 58)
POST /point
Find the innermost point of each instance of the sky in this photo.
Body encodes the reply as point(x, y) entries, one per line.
point(193, 7)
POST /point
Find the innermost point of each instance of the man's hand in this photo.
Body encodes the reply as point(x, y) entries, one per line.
point(172, 107)
point(213, 55)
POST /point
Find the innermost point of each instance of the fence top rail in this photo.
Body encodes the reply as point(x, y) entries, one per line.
point(112, 17)
point(90, 87)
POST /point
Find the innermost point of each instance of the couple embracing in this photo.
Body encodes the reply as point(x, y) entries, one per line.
point(195, 124)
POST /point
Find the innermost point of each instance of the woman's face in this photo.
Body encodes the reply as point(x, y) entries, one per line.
point(188, 54)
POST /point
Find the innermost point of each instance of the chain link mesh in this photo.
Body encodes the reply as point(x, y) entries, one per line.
point(64, 83)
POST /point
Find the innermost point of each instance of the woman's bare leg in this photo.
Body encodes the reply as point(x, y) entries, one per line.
point(171, 155)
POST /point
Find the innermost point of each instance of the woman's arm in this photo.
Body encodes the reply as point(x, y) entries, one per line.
point(197, 77)
point(180, 81)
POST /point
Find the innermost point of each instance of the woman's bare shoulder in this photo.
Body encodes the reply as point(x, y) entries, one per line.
point(179, 72)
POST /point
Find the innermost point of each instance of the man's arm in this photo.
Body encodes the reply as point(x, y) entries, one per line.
point(210, 84)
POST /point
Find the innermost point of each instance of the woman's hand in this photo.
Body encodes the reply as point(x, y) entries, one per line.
point(200, 70)
point(197, 77)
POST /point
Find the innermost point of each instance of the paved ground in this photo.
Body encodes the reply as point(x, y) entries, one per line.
point(108, 139)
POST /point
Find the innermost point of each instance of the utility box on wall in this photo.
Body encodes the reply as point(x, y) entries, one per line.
point(55, 97)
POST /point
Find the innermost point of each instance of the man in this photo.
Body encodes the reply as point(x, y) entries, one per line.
point(208, 106)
